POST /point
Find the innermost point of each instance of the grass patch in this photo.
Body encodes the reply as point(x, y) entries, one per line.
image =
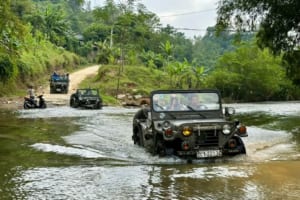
point(112, 80)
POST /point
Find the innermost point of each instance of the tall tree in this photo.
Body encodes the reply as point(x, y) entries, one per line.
point(209, 48)
point(279, 21)
point(11, 39)
point(11, 29)
point(108, 14)
point(249, 74)
point(56, 26)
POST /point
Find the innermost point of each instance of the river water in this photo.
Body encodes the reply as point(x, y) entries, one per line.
point(66, 153)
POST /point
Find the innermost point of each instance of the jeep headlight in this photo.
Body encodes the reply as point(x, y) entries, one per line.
point(226, 129)
point(187, 131)
point(166, 124)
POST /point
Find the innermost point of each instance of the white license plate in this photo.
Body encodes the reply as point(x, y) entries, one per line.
point(208, 153)
point(58, 89)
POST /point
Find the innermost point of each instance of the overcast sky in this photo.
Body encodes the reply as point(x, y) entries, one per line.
point(188, 14)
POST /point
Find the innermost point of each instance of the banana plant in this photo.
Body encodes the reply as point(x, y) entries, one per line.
point(167, 48)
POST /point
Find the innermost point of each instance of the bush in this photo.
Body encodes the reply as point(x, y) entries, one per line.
point(132, 80)
point(7, 68)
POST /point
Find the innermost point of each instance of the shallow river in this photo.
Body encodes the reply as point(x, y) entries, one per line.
point(64, 153)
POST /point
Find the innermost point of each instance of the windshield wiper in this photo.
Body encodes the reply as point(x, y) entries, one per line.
point(161, 107)
point(164, 109)
point(192, 109)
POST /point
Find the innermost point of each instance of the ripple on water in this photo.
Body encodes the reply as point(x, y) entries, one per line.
point(273, 108)
point(66, 111)
point(107, 133)
point(83, 182)
point(264, 145)
point(73, 151)
point(217, 172)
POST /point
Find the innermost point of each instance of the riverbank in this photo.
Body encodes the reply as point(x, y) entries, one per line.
point(11, 103)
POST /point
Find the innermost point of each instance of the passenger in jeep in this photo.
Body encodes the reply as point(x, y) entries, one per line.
point(175, 104)
point(195, 103)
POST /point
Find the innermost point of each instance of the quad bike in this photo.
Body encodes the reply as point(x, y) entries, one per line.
point(30, 103)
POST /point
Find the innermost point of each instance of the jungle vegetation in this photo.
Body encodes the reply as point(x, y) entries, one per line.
point(136, 50)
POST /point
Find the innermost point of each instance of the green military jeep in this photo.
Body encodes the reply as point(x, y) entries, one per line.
point(189, 124)
point(86, 98)
point(59, 83)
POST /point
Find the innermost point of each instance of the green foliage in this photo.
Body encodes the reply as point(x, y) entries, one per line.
point(249, 74)
point(183, 47)
point(7, 68)
point(113, 79)
point(38, 57)
point(209, 48)
point(11, 30)
point(278, 26)
point(62, 22)
point(55, 26)
point(132, 58)
point(167, 48)
point(184, 75)
point(96, 32)
point(105, 54)
point(41, 56)
point(291, 60)
point(132, 80)
point(199, 74)
point(151, 59)
point(36, 35)
point(279, 21)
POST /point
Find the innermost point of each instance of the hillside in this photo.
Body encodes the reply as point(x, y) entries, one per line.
point(113, 81)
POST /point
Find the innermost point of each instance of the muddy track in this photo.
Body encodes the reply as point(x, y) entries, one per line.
point(75, 79)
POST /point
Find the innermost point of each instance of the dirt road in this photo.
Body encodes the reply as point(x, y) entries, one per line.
point(75, 79)
point(53, 99)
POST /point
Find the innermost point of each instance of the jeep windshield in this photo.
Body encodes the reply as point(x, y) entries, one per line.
point(185, 101)
point(88, 92)
point(60, 78)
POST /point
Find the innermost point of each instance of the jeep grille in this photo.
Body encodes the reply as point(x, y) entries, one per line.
point(207, 138)
point(90, 101)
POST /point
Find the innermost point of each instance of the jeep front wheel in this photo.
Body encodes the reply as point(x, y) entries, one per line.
point(158, 147)
point(73, 103)
point(138, 136)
